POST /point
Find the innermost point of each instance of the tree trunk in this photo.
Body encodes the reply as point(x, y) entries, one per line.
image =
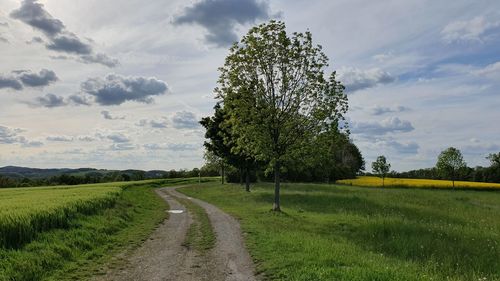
point(241, 176)
point(223, 171)
point(276, 205)
point(247, 179)
point(383, 181)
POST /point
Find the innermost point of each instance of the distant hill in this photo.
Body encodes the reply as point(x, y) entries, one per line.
point(35, 173)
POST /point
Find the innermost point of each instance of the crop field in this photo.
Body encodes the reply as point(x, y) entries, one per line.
point(336, 232)
point(24, 212)
point(421, 183)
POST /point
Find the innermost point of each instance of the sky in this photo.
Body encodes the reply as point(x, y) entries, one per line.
point(122, 84)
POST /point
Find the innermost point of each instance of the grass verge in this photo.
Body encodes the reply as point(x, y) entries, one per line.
point(200, 235)
point(330, 232)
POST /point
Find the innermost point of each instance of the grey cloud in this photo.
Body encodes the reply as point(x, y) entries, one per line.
point(116, 89)
point(355, 79)
point(32, 144)
point(100, 58)
point(404, 148)
point(171, 146)
point(34, 40)
point(181, 146)
point(4, 24)
point(33, 14)
point(11, 136)
point(59, 38)
point(389, 125)
point(157, 124)
point(50, 100)
point(219, 17)
point(69, 44)
point(86, 138)
point(122, 146)
point(118, 138)
point(59, 138)
point(380, 110)
point(20, 78)
point(10, 82)
point(78, 100)
point(43, 78)
point(3, 39)
point(185, 120)
point(108, 116)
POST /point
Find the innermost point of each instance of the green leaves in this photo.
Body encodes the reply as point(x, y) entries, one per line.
point(381, 167)
point(274, 90)
point(450, 161)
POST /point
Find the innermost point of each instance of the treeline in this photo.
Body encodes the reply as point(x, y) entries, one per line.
point(96, 177)
point(479, 174)
point(462, 172)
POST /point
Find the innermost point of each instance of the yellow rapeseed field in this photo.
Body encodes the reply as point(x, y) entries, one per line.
point(377, 182)
point(26, 211)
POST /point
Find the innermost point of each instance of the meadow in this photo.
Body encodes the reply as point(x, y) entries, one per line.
point(335, 232)
point(71, 232)
point(420, 183)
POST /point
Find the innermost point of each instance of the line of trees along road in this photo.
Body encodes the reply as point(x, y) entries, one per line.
point(278, 111)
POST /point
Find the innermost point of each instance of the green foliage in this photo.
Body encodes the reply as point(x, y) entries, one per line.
point(329, 232)
point(494, 159)
point(380, 167)
point(450, 162)
point(276, 95)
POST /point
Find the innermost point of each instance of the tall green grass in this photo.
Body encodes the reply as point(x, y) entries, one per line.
point(330, 232)
point(25, 212)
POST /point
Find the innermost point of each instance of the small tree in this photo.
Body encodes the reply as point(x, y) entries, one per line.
point(450, 162)
point(381, 168)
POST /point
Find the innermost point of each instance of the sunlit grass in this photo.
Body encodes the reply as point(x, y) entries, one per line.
point(331, 232)
point(422, 183)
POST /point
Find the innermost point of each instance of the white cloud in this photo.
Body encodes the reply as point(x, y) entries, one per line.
point(355, 79)
point(474, 30)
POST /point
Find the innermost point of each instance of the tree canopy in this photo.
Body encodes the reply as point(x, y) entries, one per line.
point(381, 167)
point(277, 96)
point(450, 162)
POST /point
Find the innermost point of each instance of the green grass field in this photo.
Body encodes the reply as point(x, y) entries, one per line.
point(70, 232)
point(330, 232)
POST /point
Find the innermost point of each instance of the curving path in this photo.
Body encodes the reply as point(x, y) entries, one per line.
point(162, 256)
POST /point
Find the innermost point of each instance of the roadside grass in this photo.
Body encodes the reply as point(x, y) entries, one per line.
point(87, 241)
point(200, 235)
point(419, 183)
point(332, 232)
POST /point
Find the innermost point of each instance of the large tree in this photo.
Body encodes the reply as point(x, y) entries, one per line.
point(274, 88)
point(450, 162)
point(381, 167)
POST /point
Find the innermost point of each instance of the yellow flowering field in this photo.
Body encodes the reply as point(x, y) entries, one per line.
point(377, 182)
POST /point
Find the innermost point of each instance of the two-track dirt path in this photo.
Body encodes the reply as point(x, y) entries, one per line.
point(163, 257)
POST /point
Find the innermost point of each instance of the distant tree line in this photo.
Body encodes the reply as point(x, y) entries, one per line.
point(96, 177)
point(451, 166)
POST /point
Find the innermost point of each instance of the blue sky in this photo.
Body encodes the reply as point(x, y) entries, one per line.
point(121, 84)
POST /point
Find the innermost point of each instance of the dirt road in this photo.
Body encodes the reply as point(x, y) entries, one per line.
point(162, 256)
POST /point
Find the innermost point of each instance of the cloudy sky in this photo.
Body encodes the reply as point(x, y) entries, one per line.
point(121, 84)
